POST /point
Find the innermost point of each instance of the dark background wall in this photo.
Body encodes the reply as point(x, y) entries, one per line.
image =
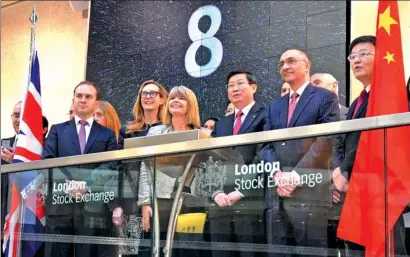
point(133, 41)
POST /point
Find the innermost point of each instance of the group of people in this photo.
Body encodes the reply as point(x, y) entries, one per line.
point(283, 215)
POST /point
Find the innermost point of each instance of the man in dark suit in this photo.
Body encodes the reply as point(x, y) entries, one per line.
point(244, 208)
point(8, 144)
point(327, 81)
point(81, 135)
point(361, 59)
point(7, 154)
point(296, 213)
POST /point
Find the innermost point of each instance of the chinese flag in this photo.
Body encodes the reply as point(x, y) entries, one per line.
point(379, 188)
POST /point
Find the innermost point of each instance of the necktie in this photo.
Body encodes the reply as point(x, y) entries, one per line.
point(238, 123)
point(81, 135)
point(292, 105)
point(359, 102)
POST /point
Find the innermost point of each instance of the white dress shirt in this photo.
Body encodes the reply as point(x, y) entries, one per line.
point(87, 127)
point(245, 111)
point(299, 91)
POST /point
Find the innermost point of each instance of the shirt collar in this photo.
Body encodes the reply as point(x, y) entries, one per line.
point(245, 110)
point(300, 90)
point(89, 120)
point(367, 88)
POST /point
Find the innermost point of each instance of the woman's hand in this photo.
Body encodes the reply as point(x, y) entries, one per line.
point(146, 217)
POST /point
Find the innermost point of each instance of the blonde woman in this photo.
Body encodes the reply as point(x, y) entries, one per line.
point(106, 116)
point(182, 113)
point(149, 109)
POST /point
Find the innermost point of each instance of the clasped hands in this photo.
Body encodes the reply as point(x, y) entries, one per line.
point(286, 182)
point(222, 199)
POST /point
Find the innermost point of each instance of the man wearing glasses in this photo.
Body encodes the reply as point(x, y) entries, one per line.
point(8, 144)
point(296, 213)
point(361, 60)
point(240, 208)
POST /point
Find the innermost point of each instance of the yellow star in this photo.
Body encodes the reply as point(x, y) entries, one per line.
point(385, 20)
point(389, 57)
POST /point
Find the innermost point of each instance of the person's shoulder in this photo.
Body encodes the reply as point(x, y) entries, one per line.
point(321, 91)
point(8, 138)
point(62, 124)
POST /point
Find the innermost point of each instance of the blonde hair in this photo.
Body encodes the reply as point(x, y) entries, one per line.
point(192, 116)
point(111, 116)
point(138, 111)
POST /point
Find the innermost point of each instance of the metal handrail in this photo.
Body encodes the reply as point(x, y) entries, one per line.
point(378, 122)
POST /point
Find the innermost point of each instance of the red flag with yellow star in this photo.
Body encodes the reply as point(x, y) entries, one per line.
point(379, 187)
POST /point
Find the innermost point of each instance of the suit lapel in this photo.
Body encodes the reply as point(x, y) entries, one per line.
point(284, 112)
point(72, 131)
point(300, 106)
point(362, 107)
point(95, 130)
point(351, 109)
point(229, 125)
point(253, 112)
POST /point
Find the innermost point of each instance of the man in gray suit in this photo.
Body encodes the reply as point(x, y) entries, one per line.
point(329, 82)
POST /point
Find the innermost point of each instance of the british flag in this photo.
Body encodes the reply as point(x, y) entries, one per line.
point(26, 214)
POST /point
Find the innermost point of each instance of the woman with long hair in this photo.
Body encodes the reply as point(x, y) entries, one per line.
point(182, 114)
point(149, 108)
point(106, 115)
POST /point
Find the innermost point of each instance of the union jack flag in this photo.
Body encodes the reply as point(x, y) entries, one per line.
point(27, 211)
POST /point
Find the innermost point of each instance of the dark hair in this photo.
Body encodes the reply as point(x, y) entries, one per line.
point(362, 39)
point(91, 84)
point(45, 122)
point(212, 118)
point(249, 76)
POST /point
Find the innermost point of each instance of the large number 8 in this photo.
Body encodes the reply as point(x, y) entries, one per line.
point(206, 39)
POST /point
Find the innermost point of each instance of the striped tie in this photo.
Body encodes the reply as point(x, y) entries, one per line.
point(238, 123)
point(292, 106)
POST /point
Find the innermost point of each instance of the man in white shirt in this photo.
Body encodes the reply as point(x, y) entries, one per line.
point(78, 136)
point(243, 206)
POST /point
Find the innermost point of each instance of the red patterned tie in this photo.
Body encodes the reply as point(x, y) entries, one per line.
point(292, 106)
point(238, 123)
point(359, 102)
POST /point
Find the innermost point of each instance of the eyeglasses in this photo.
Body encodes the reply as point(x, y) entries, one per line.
point(239, 84)
point(289, 62)
point(152, 94)
point(361, 55)
point(16, 115)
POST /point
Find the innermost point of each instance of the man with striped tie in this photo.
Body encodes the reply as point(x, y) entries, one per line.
point(242, 207)
point(295, 212)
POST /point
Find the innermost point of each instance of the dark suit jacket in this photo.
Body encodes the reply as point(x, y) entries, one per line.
point(62, 141)
point(254, 122)
point(5, 186)
point(344, 151)
point(316, 106)
point(343, 112)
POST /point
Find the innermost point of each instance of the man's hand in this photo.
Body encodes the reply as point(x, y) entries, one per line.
point(222, 200)
point(285, 191)
point(117, 216)
point(7, 154)
point(336, 196)
point(146, 217)
point(234, 197)
point(340, 181)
